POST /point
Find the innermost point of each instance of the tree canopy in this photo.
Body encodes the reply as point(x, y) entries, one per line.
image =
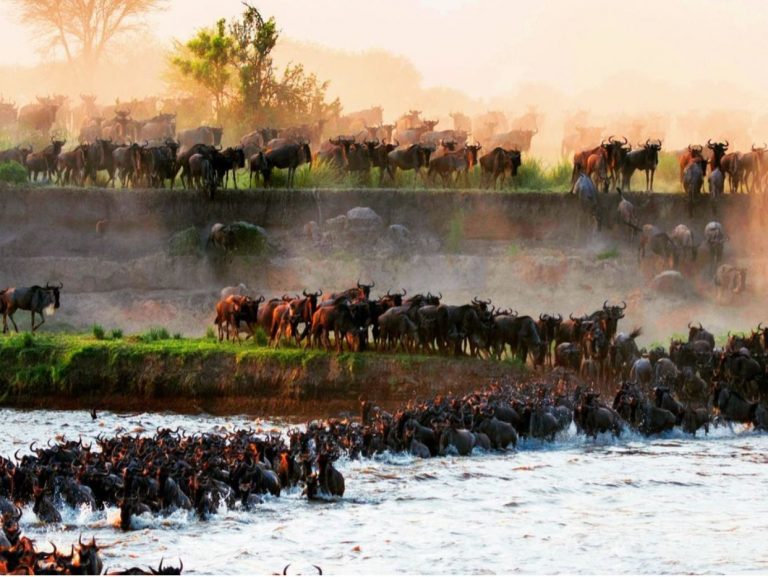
point(83, 30)
point(234, 65)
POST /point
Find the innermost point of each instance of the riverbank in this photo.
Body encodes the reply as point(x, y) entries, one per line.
point(201, 375)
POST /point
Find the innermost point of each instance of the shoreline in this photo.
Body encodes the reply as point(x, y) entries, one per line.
point(77, 372)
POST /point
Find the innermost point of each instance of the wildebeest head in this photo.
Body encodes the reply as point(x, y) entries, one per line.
point(54, 291)
point(366, 289)
point(718, 151)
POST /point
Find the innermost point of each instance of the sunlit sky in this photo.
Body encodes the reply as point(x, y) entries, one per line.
point(488, 46)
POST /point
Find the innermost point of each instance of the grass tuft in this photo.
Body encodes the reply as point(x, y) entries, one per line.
point(98, 332)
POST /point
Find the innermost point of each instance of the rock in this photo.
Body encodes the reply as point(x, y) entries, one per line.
point(670, 281)
point(337, 224)
point(399, 233)
point(363, 219)
point(184, 243)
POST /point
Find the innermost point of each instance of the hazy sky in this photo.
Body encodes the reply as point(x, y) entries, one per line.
point(486, 47)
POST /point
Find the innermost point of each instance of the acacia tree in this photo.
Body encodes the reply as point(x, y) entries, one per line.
point(254, 39)
point(83, 29)
point(207, 59)
point(235, 67)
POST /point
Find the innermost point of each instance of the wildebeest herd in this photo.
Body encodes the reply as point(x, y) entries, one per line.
point(152, 153)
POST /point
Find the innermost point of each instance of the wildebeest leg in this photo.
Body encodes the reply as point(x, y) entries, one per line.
point(42, 320)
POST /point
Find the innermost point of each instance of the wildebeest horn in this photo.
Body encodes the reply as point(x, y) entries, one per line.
point(605, 304)
point(559, 317)
point(285, 569)
point(403, 293)
point(319, 570)
point(570, 316)
point(623, 305)
point(318, 293)
point(709, 143)
point(440, 296)
point(648, 142)
point(542, 317)
point(358, 283)
point(689, 324)
point(304, 292)
point(726, 144)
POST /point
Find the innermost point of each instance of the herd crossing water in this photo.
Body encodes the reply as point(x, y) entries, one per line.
point(577, 505)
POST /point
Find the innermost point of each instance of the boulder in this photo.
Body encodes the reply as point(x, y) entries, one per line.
point(670, 282)
point(363, 219)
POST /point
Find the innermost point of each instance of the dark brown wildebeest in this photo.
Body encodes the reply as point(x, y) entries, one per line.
point(414, 157)
point(496, 163)
point(289, 156)
point(34, 299)
point(45, 160)
point(660, 244)
point(127, 163)
point(645, 159)
point(718, 151)
point(730, 164)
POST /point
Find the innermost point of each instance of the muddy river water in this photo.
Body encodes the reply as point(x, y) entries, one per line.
point(632, 505)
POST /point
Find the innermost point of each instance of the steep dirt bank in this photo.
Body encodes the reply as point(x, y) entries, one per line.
point(192, 376)
point(525, 251)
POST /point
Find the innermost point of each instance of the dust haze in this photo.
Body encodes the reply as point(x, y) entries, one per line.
point(683, 72)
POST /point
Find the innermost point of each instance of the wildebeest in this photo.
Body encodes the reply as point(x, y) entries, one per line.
point(714, 236)
point(289, 156)
point(35, 299)
point(682, 236)
point(414, 157)
point(692, 154)
point(716, 183)
point(693, 181)
point(730, 279)
point(496, 163)
point(646, 158)
point(45, 160)
point(586, 192)
point(660, 244)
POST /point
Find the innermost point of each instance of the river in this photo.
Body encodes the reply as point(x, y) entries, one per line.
point(632, 505)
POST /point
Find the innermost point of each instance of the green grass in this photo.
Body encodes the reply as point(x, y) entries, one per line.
point(455, 236)
point(513, 250)
point(116, 334)
point(82, 365)
point(98, 332)
point(608, 254)
point(155, 334)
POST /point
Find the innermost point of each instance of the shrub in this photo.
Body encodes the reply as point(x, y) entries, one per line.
point(606, 254)
point(210, 334)
point(12, 173)
point(116, 334)
point(98, 332)
point(177, 336)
